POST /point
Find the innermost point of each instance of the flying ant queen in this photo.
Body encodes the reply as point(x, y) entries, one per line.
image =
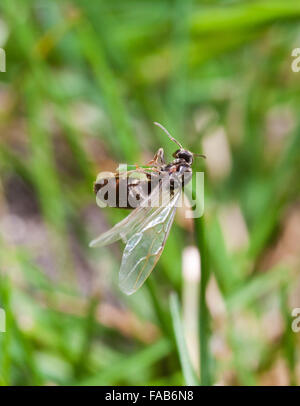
point(146, 229)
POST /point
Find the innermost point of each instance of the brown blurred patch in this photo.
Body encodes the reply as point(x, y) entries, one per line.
point(278, 375)
point(286, 250)
point(107, 314)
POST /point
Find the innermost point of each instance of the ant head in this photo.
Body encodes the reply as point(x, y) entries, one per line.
point(184, 154)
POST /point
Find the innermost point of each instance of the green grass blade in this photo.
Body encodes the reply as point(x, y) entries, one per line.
point(187, 369)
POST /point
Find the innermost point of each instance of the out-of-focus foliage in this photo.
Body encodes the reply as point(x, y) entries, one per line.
point(84, 81)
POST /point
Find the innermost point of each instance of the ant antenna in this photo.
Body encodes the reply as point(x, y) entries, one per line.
point(168, 134)
point(173, 139)
point(199, 155)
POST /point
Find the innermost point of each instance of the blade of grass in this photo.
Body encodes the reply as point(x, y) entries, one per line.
point(130, 365)
point(258, 286)
point(204, 317)
point(93, 50)
point(161, 315)
point(81, 365)
point(187, 368)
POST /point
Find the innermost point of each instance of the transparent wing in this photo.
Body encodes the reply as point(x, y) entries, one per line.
point(128, 226)
point(145, 245)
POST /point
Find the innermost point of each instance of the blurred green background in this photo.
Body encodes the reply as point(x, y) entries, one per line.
point(84, 82)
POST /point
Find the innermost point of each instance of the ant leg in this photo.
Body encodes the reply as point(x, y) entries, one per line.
point(158, 159)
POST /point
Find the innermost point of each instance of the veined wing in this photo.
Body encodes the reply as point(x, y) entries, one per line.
point(145, 245)
point(129, 226)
